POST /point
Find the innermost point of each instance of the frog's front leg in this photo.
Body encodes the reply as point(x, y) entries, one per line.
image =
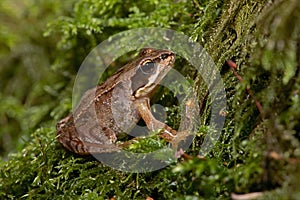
point(153, 124)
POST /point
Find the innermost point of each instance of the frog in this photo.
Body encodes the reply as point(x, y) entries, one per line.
point(115, 106)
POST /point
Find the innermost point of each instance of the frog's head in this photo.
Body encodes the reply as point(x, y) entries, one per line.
point(152, 66)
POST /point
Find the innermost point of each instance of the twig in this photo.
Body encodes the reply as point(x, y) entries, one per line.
point(233, 67)
point(253, 195)
point(277, 156)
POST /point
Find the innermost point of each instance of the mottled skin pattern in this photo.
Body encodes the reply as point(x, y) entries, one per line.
point(116, 105)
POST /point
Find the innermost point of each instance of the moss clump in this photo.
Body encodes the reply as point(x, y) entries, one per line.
point(254, 154)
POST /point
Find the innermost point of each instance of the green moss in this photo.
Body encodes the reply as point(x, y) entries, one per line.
point(252, 154)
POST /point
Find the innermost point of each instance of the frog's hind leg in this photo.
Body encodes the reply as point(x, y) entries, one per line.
point(74, 144)
point(67, 136)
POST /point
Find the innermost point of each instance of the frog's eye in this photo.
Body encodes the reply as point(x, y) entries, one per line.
point(148, 68)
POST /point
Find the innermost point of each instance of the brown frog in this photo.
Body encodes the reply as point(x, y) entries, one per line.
point(116, 105)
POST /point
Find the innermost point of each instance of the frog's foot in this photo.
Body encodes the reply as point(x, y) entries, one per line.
point(168, 134)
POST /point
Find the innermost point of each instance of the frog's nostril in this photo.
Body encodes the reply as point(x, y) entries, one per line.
point(164, 56)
